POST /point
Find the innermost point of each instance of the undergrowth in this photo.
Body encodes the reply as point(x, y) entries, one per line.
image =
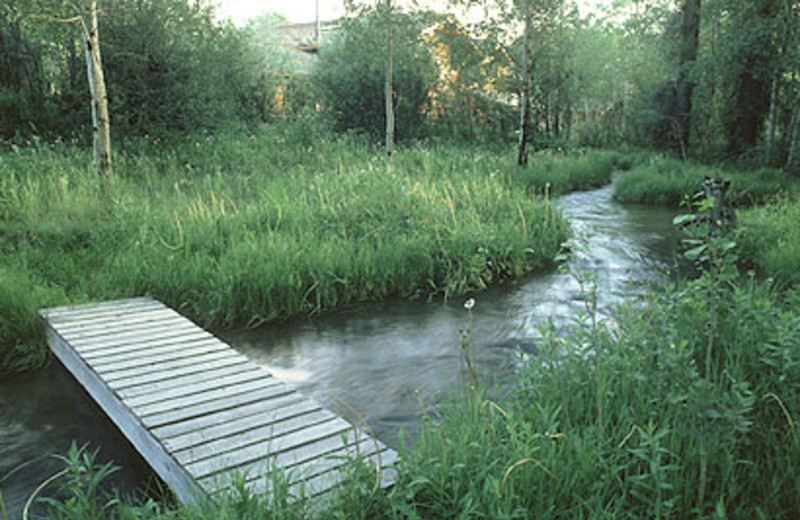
point(668, 182)
point(242, 228)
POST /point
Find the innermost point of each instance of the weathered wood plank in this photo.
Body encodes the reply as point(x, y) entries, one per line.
point(297, 474)
point(103, 322)
point(61, 315)
point(233, 401)
point(197, 424)
point(285, 461)
point(232, 426)
point(261, 435)
point(155, 333)
point(192, 388)
point(198, 335)
point(195, 408)
point(114, 330)
point(148, 390)
point(158, 358)
point(166, 369)
point(197, 368)
point(292, 448)
point(182, 484)
point(151, 349)
point(319, 483)
point(196, 400)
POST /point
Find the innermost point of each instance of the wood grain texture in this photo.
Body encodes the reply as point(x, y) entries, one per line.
point(198, 411)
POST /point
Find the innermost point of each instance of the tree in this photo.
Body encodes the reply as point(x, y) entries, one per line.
point(690, 34)
point(101, 125)
point(389, 89)
point(350, 75)
point(525, 89)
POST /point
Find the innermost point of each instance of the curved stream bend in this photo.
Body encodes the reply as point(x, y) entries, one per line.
point(389, 361)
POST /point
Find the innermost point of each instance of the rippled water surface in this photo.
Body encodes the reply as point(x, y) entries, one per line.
point(389, 361)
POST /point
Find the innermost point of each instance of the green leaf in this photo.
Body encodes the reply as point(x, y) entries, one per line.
point(680, 220)
point(694, 253)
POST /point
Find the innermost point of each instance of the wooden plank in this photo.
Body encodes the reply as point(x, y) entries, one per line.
point(83, 336)
point(195, 408)
point(165, 369)
point(232, 426)
point(198, 424)
point(199, 335)
point(181, 483)
point(320, 483)
point(193, 388)
point(61, 315)
point(293, 447)
point(150, 349)
point(261, 435)
point(298, 473)
point(155, 333)
point(187, 402)
point(154, 421)
point(104, 322)
point(197, 368)
point(147, 391)
point(150, 358)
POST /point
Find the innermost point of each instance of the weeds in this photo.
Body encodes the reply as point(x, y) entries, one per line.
point(244, 229)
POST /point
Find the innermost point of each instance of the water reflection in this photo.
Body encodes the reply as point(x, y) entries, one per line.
point(391, 360)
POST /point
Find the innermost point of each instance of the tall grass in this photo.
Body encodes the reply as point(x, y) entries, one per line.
point(246, 228)
point(668, 182)
point(671, 441)
point(770, 240)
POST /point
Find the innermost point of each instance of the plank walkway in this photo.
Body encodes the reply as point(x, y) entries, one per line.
point(195, 409)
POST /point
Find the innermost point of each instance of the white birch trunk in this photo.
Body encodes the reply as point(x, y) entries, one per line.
point(390, 125)
point(97, 86)
point(525, 95)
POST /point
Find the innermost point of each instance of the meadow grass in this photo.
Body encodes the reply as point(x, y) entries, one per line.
point(669, 182)
point(245, 228)
point(769, 237)
point(608, 421)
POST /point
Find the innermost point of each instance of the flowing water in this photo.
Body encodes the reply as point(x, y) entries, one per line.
point(389, 361)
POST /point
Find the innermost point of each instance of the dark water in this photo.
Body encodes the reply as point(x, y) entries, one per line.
point(389, 361)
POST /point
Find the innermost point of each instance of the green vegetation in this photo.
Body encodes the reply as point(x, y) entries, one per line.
point(247, 228)
point(770, 240)
point(686, 406)
point(669, 182)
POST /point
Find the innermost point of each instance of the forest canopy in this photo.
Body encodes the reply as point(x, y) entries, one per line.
point(711, 79)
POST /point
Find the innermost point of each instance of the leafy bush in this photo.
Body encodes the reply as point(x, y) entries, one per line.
point(351, 72)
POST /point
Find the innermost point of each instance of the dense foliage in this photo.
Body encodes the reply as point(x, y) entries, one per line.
point(245, 228)
point(350, 74)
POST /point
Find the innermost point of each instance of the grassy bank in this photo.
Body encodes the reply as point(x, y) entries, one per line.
point(247, 228)
point(634, 421)
point(668, 182)
point(769, 236)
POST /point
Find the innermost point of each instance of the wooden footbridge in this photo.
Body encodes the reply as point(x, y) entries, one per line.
point(197, 411)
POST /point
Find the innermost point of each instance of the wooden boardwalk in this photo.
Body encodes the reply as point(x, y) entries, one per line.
point(195, 409)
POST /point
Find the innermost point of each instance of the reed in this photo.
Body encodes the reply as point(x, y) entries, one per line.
point(244, 228)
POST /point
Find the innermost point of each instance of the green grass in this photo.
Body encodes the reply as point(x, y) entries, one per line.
point(668, 182)
point(769, 237)
point(607, 422)
point(245, 228)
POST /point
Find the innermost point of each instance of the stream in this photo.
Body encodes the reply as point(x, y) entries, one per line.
point(389, 361)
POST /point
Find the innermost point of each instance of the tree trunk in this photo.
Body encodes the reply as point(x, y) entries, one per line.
point(773, 109)
point(525, 95)
point(390, 126)
point(97, 87)
point(690, 35)
point(791, 159)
